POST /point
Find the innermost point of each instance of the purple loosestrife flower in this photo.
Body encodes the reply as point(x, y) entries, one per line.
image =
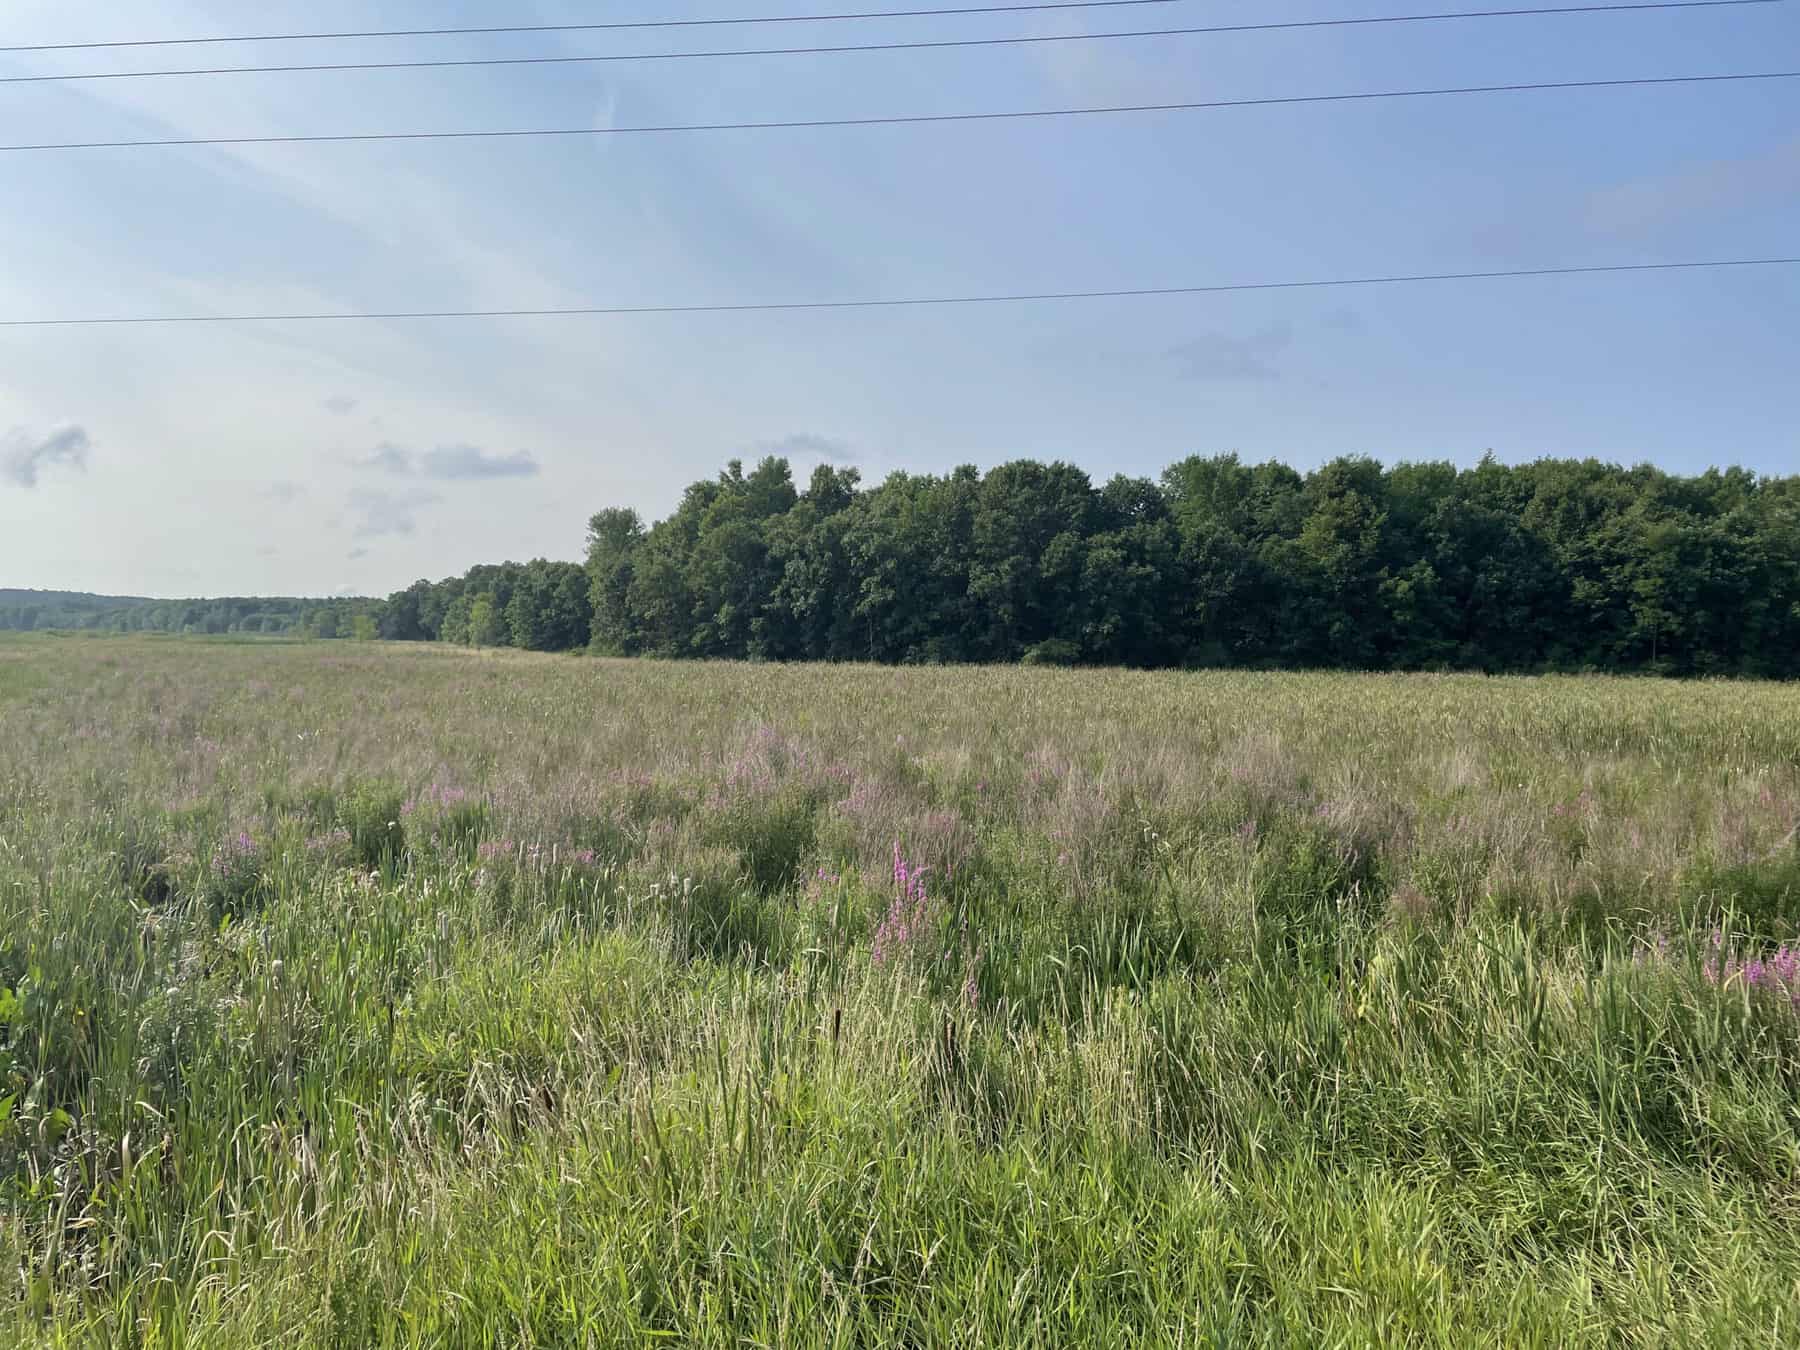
point(439, 796)
point(334, 842)
point(907, 914)
point(971, 989)
point(232, 854)
point(1710, 967)
point(1776, 976)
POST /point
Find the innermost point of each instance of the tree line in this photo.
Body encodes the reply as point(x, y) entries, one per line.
point(25, 611)
point(1551, 565)
point(1556, 564)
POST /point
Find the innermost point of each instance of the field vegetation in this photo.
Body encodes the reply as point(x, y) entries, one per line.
point(386, 995)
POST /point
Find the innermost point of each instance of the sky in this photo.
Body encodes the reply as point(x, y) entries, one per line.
point(354, 458)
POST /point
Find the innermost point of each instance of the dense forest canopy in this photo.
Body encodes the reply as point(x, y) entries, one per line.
point(1556, 564)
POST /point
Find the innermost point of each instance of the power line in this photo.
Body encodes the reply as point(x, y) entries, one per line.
point(934, 45)
point(1290, 100)
point(908, 303)
point(589, 27)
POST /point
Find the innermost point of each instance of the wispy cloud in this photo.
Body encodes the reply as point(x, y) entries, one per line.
point(284, 493)
point(357, 554)
point(1709, 188)
point(806, 445)
point(387, 458)
point(339, 405)
point(452, 462)
point(24, 455)
point(378, 514)
point(449, 463)
point(1223, 358)
point(1099, 72)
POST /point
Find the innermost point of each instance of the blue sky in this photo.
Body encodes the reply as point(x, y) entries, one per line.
point(357, 457)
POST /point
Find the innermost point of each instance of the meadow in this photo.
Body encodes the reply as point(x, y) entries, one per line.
point(357, 995)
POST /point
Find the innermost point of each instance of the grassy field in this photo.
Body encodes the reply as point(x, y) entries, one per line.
point(381, 996)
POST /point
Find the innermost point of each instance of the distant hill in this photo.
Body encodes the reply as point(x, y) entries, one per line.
point(26, 611)
point(72, 601)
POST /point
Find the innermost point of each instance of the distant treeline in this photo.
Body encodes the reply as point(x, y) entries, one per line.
point(69, 610)
point(1557, 564)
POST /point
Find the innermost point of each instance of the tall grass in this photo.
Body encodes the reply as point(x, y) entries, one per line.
point(386, 996)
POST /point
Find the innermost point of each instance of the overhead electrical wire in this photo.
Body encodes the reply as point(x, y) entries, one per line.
point(930, 45)
point(917, 119)
point(590, 27)
point(918, 302)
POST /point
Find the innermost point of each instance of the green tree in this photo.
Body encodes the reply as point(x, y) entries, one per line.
point(454, 627)
point(614, 537)
point(550, 607)
point(486, 622)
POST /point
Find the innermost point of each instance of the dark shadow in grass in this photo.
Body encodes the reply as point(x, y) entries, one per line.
point(141, 857)
point(1761, 898)
point(773, 836)
point(610, 838)
point(371, 813)
point(722, 919)
point(968, 1077)
point(1310, 885)
point(463, 827)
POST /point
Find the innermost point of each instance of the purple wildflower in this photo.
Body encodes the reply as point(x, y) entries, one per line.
point(438, 795)
point(971, 989)
point(232, 854)
point(1775, 976)
point(906, 918)
point(334, 842)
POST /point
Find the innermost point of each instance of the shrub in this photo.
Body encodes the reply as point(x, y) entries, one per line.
point(1052, 652)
